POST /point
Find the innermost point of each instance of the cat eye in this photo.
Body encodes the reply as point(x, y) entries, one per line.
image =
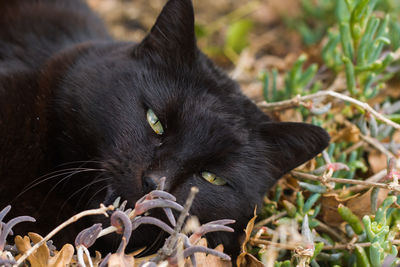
point(212, 178)
point(154, 122)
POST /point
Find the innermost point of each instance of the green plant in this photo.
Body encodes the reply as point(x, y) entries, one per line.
point(360, 46)
point(314, 19)
point(360, 51)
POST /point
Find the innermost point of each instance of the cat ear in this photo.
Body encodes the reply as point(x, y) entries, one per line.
point(290, 144)
point(173, 34)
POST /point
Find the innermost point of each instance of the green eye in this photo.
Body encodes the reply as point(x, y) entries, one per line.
point(212, 178)
point(154, 122)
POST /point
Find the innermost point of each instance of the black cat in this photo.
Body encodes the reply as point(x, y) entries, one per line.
point(113, 117)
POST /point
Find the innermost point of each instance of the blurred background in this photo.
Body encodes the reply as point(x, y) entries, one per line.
point(242, 36)
point(245, 37)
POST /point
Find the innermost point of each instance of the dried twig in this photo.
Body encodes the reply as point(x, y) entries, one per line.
point(102, 210)
point(296, 101)
point(374, 178)
point(270, 219)
point(301, 175)
point(375, 143)
point(170, 244)
point(293, 246)
point(353, 147)
point(327, 229)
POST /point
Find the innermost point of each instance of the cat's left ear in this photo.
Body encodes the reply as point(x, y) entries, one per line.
point(173, 34)
point(290, 144)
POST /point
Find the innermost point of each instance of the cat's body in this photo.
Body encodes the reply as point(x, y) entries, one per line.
point(70, 93)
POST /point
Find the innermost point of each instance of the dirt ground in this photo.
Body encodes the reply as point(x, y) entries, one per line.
point(272, 43)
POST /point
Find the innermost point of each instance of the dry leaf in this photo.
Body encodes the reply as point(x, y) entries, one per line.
point(245, 259)
point(329, 206)
point(360, 205)
point(42, 254)
point(377, 161)
point(41, 257)
point(250, 261)
point(204, 260)
point(349, 134)
point(96, 260)
point(290, 115)
point(120, 260)
point(63, 257)
point(38, 258)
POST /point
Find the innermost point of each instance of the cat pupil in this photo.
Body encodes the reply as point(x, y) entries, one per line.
point(213, 178)
point(154, 122)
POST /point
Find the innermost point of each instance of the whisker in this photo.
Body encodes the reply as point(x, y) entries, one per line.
point(75, 193)
point(90, 199)
point(71, 173)
point(80, 167)
point(79, 161)
point(59, 171)
point(63, 179)
point(87, 188)
point(155, 243)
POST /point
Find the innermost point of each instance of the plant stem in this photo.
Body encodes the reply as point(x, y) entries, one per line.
point(101, 210)
point(270, 219)
point(293, 246)
point(345, 181)
point(171, 243)
point(296, 101)
point(374, 178)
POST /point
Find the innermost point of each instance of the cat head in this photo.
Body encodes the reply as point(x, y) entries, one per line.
point(161, 108)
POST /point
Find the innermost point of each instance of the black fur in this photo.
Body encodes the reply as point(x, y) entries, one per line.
point(69, 92)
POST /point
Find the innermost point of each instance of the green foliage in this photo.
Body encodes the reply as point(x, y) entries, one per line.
point(298, 81)
point(317, 16)
point(377, 232)
point(270, 91)
point(351, 219)
point(314, 19)
point(358, 46)
point(237, 36)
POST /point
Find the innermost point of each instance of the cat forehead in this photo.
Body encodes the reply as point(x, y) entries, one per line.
point(205, 119)
point(198, 101)
point(189, 103)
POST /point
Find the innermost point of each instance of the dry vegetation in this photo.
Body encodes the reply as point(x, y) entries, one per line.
point(339, 209)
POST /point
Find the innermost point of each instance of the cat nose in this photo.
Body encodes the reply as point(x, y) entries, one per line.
point(149, 183)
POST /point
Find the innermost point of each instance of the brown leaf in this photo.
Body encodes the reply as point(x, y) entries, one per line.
point(377, 161)
point(250, 261)
point(63, 257)
point(329, 205)
point(121, 260)
point(290, 115)
point(39, 257)
point(96, 260)
point(349, 134)
point(204, 260)
point(359, 204)
point(242, 258)
point(42, 254)
point(22, 244)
